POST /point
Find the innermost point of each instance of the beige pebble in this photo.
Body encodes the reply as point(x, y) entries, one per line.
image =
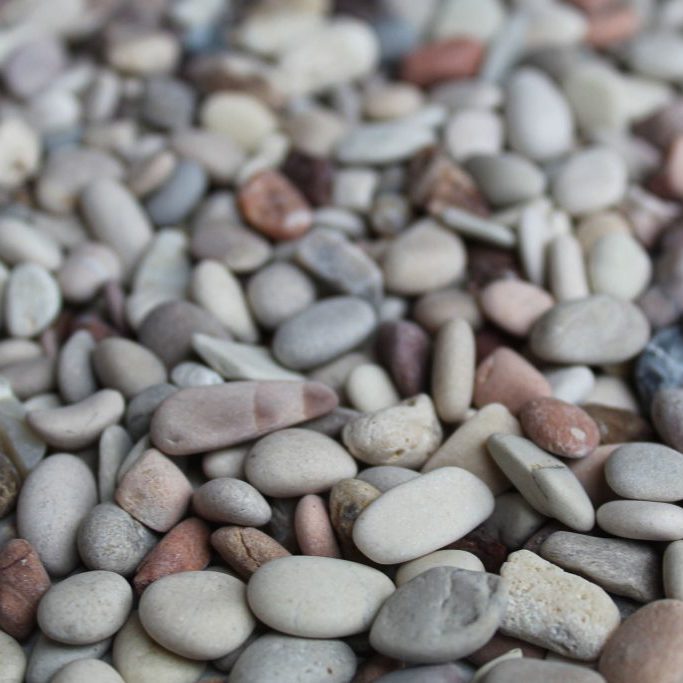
point(226, 462)
point(144, 54)
point(314, 532)
point(348, 498)
point(567, 272)
point(514, 305)
point(220, 156)
point(20, 146)
point(439, 558)
point(20, 241)
point(596, 225)
point(434, 309)
point(369, 388)
point(392, 100)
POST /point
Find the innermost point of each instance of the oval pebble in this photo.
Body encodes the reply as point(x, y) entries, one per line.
point(352, 594)
point(460, 559)
point(85, 608)
point(385, 477)
point(314, 532)
point(20, 242)
point(231, 501)
point(32, 300)
point(49, 656)
point(538, 671)
point(177, 197)
point(641, 520)
point(13, 659)
point(369, 388)
point(87, 268)
point(86, 671)
point(418, 517)
point(507, 178)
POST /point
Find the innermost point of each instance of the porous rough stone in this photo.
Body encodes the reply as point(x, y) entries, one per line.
point(419, 516)
point(555, 609)
point(352, 594)
point(348, 498)
point(231, 501)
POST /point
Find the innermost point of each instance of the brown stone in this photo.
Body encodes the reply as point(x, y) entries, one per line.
point(442, 60)
point(207, 418)
point(272, 205)
point(10, 483)
point(246, 549)
point(23, 581)
point(647, 647)
point(185, 548)
point(514, 305)
point(403, 349)
point(489, 264)
point(560, 428)
point(617, 425)
point(311, 175)
point(348, 498)
point(664, 125)
point(314, 531)
point(668, 182)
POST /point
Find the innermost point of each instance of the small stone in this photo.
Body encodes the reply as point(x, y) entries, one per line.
point(352, 594)
point(348, 498)
point(189, 374)
point(23, 582)
point(231, 501)
point(392, 101)
point(369, 388)
point(556, 609)
point(535, 671)
point(20, 241)
point(617, 425)
point(32, 300)
point(20, 146)
point(660, 365)
point(218, 154)
point(245, 549)
point(86, 670)
point(49, 656)
point(459, 559)
point(10, 484)
point(75, 376)
point(14, 659)
point(312, 175)
point(167, 103)
point(142, 406)
point(195, 420)
point(453, 613)
point(199, 615)
point(173, 202)
point(672, 564)
point(514, 305)
point(471, 132)
point(572, 384)
point(86, 269)
point(560, 428)
point(314, 532)
point(443, 60)
point(30, 377)
point(403, 349)
point(143, 53)
point(154, 491)
point(85, 608)
point(641, 520)
point(354, 188)
point(385, 477)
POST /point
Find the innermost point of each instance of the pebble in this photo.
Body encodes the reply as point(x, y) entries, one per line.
point(48, 657)
point(173, 202)
point(141, 408)
point(86, 670)
point(506, 178)
point(369, 388)
point(85, 608)
point(647, 646)
point(514, 305)
point(75, 376)
point(314, 532)
point(225, 462)
point(23, 582)
point(403, 349)
point(21, 149)
point(666, 410)
point(241, 249)
point(154, 491)
point(193, 420)
point(352, 594)
point(459, 559)
point(198, 615)
point(347, 499)
point(547, 484)
point(513, 521)
point(139, 659)
point(385, 477)
point(294, 660)
point(126, 366)
point(471, 132)
point(56, 497)
point(416, 518)
point(31, 377)
point(10, 484)
point(32, 300)
point(231, 501)
point(20, 242)
point(80, 424)
point(323, 331)
point(535, 671)
point(572, 384)
point(560, 428)
point(660, 365)
point(109, 539)
point(14, 659)
point(392, 101)
point(597, 330)
point(641, 520)
point(404, 435)
point(354, 188)
point(167, 103)
point(555, 609)
point(425, 257)
point(218, 153)
point(443, 60)
point(671, 570)
point(245, 549)
point(87, 268)
point(617, 425)
point(295, 462)
point(191, 374)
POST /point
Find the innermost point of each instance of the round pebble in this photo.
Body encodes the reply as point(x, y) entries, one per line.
point(231, 501)
point(641, 520)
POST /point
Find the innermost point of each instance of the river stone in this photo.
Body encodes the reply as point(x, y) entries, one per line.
point(646, 471)
point(245, 549)
point(621, 567)
point(597, 330)
point(80, 424)
point(231, 501)
point(441, 615)
point(75, 376)
point(56, 496)
point(14, 659)
point(641, 520)
point(201, 419)
point(422, 515)
point(460, 559)
point(547, 484)
point(139, 659)
point(403, 348)
point(110, 539)
point(554, 609)
point(506, 178)
point(49, 656)
point(667, 411)
point(294, 660)
point(21, 242)
point(198, 615)
point(323, 331)
point(173, 202)
point(86, 671)
point(538, 671)
point(87, 268)
point(141, 408)
point(295, 462)
point(352, 594)
point(191, 374)
point(220, 156)
point(32, 300)
point(85, 608)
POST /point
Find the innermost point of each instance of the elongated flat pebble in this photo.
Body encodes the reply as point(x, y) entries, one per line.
point(80, 424)
point(514, 305)
point(245, 549)
point(14, 659)
point(199, 615)
point(641, 520)
point(418, 517)
point(75, 376)
point(85, 608)
point(206, 418)
point(231, 501)
point(555, 609)
point(32, 300)
point(460, 559)
point(55, 498)
point(314, 532)
point(177, 197)
point(506, 178)
point(403, 349)
point(352, 594)
point(536, 671)
point(547, 484)
point(597, 330)
point(295, 462)
point(87, 670)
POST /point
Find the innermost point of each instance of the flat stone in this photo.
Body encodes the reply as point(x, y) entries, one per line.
point(245, 549)
point(32, 300)
point(535, 671)
point(173, 202)
point(199, 615)
point(14, 659)
point(548, 485)
point(352, 594)
point(418, 517)
point(85, 608)
point(85, 670)
point(231, 501)
point(48, 657)
point(555, 609)
point(403, 349)
point(460, 559)
point(322, 332)
point(597, 330)
point(383, 143)
point(194, 420)
point(641, 520)
point(75, 376)
point(56, 497)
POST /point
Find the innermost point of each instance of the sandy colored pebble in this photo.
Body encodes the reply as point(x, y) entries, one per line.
point(460, 559)
point(226, 462)
point(514, 305)
point(246, 549)
point(314, 532)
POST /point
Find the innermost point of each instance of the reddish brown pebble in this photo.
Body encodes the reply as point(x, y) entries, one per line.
point(647, 647)
point(273, 206)
point(442, 60)
point(185, 548)
point(514, 305)
point(590, 471)
point(559, 427)
point(154, 491)
point(612, 26)
point(505, 377)
point(10, 483)
point(664, 125)
point(617, 425)
point(246, 549)
point(499, 645)
point(311, 175)
point(488, 549)
point(23, 581)
point(313, 528)
point(403, 349)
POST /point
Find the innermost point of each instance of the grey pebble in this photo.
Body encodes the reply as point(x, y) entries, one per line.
point(539, 671)
point(513, 520)
point(112, 449)
point(641, 520)
point(506, 178)
point(48, 657)
point(167, 103)
point(383, 143)
point(231, 501)
point(141, 408)
point(174, 201)
point(667, 415)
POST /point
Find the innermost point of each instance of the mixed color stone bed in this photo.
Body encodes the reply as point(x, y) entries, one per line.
point(341, 341)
